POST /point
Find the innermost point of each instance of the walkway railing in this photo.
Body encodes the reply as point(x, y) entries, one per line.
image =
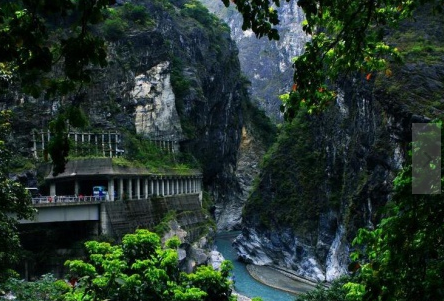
point(67, 199)
point(89, 198)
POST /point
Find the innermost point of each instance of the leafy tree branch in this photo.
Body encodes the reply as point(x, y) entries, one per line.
point(347, 36)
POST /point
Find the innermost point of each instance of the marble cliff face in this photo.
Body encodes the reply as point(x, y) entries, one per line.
point(329, 174)
point(326, 176)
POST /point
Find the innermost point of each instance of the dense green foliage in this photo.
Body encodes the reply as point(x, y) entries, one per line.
point(263, 128)
point(298, 170)
point(403, 258)
point(139, 269)
point(335, 292)
point(146, 153)
point(346, 36)
point(45, 288)
point(120, 19)
point(13, 200)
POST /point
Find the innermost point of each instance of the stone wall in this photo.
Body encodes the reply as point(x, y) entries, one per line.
point(125, 217)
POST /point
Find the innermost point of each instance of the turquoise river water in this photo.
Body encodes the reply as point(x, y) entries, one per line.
point(244, 283)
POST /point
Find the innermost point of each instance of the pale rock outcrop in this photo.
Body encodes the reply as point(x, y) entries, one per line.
point(155, 113)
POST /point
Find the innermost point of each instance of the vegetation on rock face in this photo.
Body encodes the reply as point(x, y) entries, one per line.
point(186, 84)
point(120, 19)
point(421, 44)
point(287, 193)
point(263, 128)
point(13, 199)
point(403, 257)
point(198, 11)
point(146, 153)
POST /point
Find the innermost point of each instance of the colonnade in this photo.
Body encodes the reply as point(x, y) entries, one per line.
point(143, 187)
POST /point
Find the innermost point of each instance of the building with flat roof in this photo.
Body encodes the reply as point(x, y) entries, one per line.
point(122, 182)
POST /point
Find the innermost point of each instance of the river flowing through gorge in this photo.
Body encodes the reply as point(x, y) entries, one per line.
point(245, 284)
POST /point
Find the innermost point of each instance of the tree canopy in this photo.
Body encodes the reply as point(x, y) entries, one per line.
point(140, 269)
point(346, 36)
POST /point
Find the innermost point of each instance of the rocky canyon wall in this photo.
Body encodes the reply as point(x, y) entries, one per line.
point(177, 79)
point(330, 174)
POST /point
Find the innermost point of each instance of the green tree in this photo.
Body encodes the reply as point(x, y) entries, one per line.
point(139, 269)
point(346, 36)
point(45, 288)
point(335, 292)
point(15, 203)
point(403, 258)
point(58, 146)
point(135, 13)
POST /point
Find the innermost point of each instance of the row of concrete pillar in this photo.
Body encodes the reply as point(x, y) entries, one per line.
point(105, 142)
point(145, 187)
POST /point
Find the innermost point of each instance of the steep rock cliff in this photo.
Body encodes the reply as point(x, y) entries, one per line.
point(178, 78)
point(329, 174)
point(266, 64)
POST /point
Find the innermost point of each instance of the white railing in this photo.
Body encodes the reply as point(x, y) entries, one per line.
point(67, 199)
point(90, 198)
